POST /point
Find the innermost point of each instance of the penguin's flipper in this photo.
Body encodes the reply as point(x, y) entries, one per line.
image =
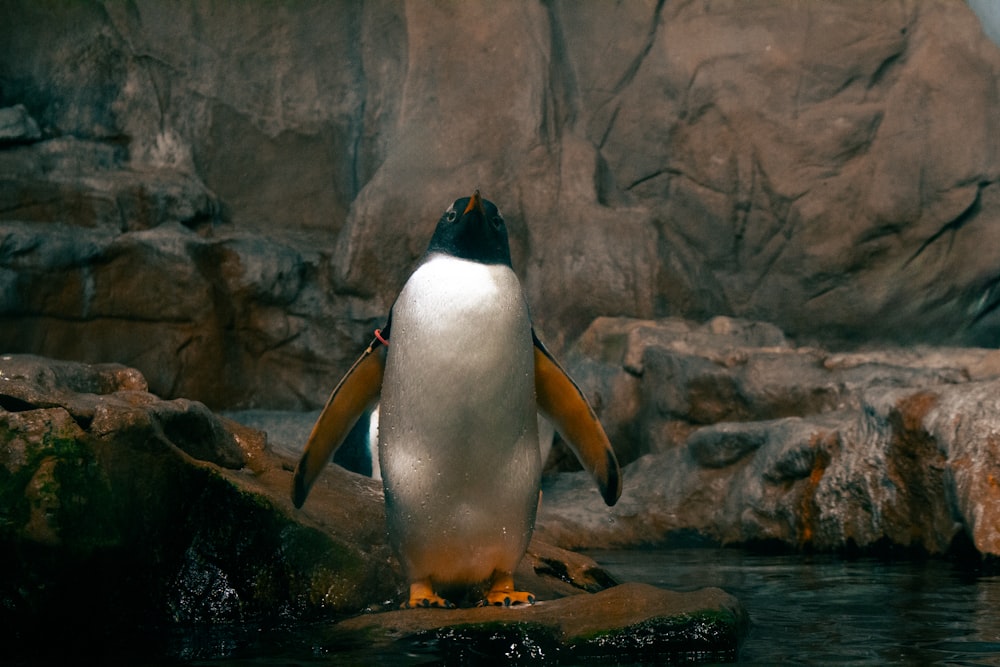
point(356, 392)
point(561, 402)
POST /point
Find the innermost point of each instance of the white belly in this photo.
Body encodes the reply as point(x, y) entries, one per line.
point(458, 441)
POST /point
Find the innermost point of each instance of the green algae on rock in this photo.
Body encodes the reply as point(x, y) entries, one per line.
point(159, 512)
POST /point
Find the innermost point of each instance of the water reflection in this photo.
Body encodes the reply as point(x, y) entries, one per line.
point(805, 610)
point(812, 610)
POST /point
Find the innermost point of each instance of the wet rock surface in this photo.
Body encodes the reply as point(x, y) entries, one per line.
point(626, 623)
point(743, 437)
point(161, 514)
point(164, 513)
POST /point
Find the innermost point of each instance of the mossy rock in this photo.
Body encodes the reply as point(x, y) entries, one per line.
point(143, 511)
point(159, 513)
point(122, 511)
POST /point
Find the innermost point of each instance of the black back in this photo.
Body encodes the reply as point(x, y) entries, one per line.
point(477, 233)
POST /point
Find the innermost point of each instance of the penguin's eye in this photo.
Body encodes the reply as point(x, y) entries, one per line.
point(450, 215)
point(497, 221)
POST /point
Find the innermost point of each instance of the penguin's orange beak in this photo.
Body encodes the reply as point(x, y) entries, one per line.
point(475, 204)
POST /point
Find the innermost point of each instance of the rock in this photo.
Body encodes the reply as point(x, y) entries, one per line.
point(235, 319)
point(652, 382)
point(720, 445)
point(630, 622)
point(100, 479)
point(705, 165)
point(794, 446)
point(162, 514)
point(16, 126)
point(764, 382)
point(104, 399)
point(92, 184)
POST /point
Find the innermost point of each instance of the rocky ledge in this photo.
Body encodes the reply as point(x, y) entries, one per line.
point(741, 436)
point(121, 510)
point(629, 622)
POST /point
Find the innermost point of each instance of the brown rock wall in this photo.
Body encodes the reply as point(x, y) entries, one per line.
point(832, 168)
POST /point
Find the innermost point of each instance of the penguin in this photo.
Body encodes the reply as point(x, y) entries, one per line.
point(460, 377)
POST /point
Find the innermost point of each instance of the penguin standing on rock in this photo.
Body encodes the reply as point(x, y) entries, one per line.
point(460, 375)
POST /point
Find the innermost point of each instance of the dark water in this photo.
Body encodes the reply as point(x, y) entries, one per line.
point(804, 609)
point(825, 610)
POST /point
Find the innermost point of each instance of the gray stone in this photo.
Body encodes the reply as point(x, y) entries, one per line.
point(17, 126)
point(233, 318)
point(793, 445)
point(723, 444)
point(652, 382)
point(93, 184)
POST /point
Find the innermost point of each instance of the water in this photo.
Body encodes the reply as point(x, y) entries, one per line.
point(804, 610)
point(825, 610)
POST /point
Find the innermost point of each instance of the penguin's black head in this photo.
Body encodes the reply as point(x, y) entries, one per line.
point(472, 228)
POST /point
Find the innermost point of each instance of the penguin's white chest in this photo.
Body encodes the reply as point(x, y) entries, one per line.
point(457, 430)
point(461, 336)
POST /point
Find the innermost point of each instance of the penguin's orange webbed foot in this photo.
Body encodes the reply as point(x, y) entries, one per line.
point(422, 595)
point(502, 593)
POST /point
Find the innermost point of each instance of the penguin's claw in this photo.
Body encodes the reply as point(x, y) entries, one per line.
point(423, 595)
point(502, 593)
point(508, 599)
point(426, 603)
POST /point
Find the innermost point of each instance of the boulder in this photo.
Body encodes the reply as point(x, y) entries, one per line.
point(161, 514)
point(747, 439)
point(233, 318)
point(832, 168)
point(628, 623)
point(17, 126)
point(92, 184)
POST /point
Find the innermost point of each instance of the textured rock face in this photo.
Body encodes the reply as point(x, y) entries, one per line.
point(161, 513)
point(120, 511)
point(248, 187)
point(742, 437)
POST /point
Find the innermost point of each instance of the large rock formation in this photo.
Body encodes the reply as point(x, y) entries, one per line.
point(743, 438)
point(121, 511)
point(159, 512)
point(227, 197)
